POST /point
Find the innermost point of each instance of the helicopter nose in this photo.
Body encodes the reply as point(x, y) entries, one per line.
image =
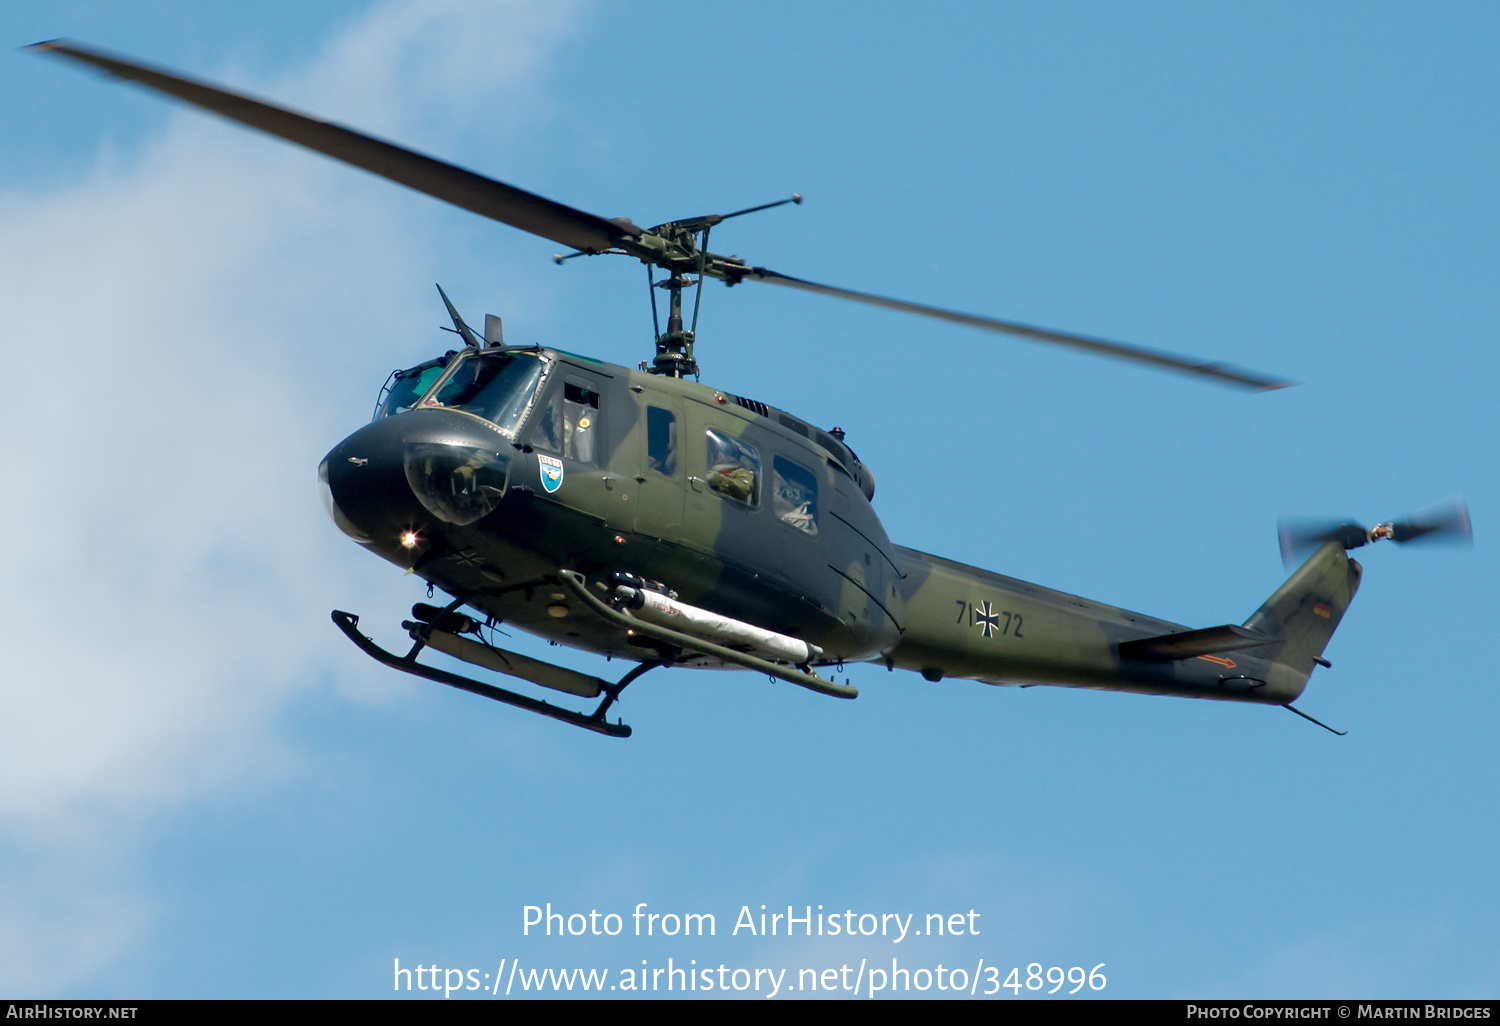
point(422, 468)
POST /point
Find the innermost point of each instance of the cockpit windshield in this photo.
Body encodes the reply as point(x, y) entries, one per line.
point(406, 387)
point(497, 387)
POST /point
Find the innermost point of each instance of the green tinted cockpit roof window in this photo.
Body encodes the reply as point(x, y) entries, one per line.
point(408, 386)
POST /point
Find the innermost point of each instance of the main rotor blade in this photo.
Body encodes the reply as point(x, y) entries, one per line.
point(1138, 354)
point(474, 192)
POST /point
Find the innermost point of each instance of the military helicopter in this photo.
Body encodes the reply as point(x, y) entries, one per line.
point(637, 514)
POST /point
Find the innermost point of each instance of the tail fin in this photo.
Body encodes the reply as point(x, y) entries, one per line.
point(1304, 613)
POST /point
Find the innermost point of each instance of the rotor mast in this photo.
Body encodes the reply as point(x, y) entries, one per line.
point(677, 248)
point(674, 347)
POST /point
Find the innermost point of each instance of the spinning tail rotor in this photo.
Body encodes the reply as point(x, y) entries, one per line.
point(1447, 523)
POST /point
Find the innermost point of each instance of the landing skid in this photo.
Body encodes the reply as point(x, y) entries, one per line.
point(595, 721)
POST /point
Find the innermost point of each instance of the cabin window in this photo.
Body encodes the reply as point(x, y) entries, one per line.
point(569, 423)
point(733, 468)
point(497, 387)
point(661, 440)
point(794, 495)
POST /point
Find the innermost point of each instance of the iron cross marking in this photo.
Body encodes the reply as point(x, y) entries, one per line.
point(986, 619)
point(468, 557)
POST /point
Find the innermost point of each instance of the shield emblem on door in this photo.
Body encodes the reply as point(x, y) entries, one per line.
point(552, 472)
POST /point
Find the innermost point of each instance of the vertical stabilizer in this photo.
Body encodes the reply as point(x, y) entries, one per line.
point(1304, 613)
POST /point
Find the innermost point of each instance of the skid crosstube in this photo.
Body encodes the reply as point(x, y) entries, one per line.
point(595, 721)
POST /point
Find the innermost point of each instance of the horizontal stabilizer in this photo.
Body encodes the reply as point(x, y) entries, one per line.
point(1189, 644)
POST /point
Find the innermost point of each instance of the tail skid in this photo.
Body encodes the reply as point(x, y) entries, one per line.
point(1289, 707)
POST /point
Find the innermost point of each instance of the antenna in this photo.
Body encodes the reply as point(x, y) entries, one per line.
point(459, 327)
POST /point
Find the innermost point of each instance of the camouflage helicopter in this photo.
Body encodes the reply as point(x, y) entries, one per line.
point(638, 514)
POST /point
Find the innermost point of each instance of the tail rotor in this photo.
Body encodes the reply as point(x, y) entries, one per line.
point(1446, 523)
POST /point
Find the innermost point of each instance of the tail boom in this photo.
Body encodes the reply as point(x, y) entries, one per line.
point(974, 624)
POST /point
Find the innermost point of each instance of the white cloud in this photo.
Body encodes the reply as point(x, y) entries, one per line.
point(57, 923)
point(186, 333)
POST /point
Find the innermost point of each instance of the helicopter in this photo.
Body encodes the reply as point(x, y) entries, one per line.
point(639, 514)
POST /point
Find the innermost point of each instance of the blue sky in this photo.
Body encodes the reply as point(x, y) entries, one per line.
point(205, 791)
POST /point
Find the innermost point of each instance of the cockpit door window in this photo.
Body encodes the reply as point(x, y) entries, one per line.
point(568, 423)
